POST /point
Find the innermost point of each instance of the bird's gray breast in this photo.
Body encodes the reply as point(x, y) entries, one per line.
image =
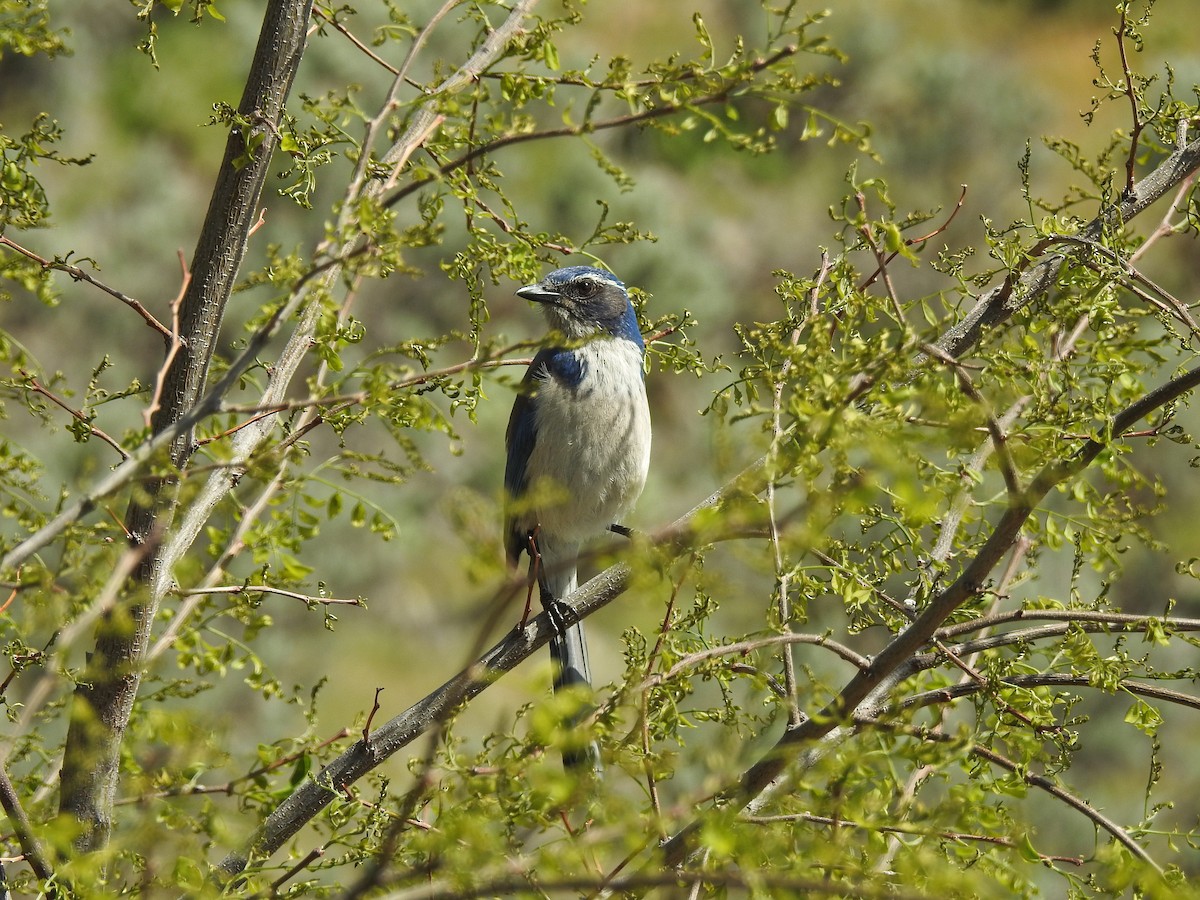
point(593, 439)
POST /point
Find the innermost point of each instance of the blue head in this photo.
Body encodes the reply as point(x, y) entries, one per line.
point(581, 301)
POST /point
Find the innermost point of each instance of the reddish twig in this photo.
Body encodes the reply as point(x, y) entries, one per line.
point(38, 388)
point(345, 32)
point(309, 858)
point(262, 220)
point(13, 595)
point(912, 242)
point(276, 408)
point(79, 274)
point(174, 345)
point(1135, 132)
point(375, 707)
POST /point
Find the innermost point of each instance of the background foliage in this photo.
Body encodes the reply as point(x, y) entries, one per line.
point(811, 207)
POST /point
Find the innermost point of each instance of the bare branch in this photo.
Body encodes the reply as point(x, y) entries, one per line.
point(38, 388)
point(690, 661)
point(82, 275)
point(308, 599)
point(1089, 619)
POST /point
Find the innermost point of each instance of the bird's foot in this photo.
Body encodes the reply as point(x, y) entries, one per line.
point(623, 530)
point(561, 615)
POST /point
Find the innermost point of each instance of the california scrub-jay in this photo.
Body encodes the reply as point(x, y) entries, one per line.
point(578, 445)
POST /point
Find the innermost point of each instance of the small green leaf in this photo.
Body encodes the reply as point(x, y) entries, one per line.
point(1026, 849)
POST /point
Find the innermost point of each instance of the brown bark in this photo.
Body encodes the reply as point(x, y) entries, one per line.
point(105, 696)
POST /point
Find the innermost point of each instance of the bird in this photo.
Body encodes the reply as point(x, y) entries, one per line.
point(578, 449)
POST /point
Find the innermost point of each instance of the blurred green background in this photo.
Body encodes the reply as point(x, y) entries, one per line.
point(952, 89)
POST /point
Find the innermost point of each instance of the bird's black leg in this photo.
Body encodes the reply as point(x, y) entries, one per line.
point(535, 567)
point(623, 530)
point(561, 615)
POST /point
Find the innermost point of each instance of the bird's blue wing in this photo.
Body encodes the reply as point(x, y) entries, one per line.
point(519, 440)
point(564, 367)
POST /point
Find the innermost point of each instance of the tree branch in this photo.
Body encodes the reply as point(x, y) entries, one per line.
point(83, 275)
point(1040, 782)
point(105, 694)
point(23, 829)
point(1021, 287)
point(967, 688)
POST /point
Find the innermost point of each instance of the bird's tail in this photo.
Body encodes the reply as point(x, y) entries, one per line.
point(568, 650)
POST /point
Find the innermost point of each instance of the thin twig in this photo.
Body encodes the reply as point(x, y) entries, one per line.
point(1135, 132)
point(175, 343)
point(912, 242)
point(81, 275)
point(741, 648)
point(375, 707)
point(38, 388)
point(1052, 680)
point(190, 789)
point(881, 262)
point(1008, 466)
point(1040, 782)
point(783, 608)
point(349, 35)
point(911, 830)
point(1166, 226)
point(309, 599)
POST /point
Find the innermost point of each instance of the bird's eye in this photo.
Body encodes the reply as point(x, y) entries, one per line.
point(587, 286)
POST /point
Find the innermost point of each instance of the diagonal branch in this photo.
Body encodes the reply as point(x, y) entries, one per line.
point(79, 274)
point(1021, 287)
point(1040, 782)
point(32, 849)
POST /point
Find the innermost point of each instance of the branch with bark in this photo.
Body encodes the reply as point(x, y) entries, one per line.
point(104, 698)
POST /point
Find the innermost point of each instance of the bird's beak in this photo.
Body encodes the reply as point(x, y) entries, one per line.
point(539, 293)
